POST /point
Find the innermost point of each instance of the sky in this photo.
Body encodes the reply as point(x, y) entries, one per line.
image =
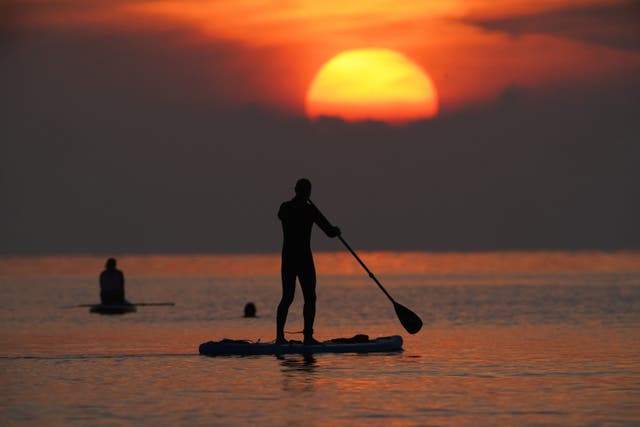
point(147, 126)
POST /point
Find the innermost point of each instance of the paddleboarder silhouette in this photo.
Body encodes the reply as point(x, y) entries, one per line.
point(112, 284)
point(298, 216)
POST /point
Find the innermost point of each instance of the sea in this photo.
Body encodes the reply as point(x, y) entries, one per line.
point(509, 339)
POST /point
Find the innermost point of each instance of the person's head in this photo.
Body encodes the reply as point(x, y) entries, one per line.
point(111, 264)
point(303, 188)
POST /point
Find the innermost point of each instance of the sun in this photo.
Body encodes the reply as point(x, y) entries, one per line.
point(372, 84)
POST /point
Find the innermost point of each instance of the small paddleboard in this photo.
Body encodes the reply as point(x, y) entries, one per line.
point(112, 308)
point(242, 348)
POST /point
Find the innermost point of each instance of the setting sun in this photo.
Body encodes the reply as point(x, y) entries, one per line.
point(372, 84)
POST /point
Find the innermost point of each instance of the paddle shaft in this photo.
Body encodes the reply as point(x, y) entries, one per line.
point(355, 255)
point(373, 277)
point(142, 304)
point(410, 321)
point(147, 304)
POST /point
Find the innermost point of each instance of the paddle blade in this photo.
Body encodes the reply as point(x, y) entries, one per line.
point(411, 322)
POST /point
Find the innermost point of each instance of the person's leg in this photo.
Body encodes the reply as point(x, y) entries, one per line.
point(288, 276)
point(307, 276)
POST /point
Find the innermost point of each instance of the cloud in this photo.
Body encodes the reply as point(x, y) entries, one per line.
point(526, 174)
point(616, 25)
point(268, 54)
point(57, 68)
point(142, 141)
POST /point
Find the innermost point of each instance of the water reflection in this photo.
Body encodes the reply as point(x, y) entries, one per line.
point(430, 264)
point(298, 372)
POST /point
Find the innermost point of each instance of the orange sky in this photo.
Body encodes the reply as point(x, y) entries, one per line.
point(287, 42)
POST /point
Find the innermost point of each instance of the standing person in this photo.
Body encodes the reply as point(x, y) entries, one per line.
point(112, 284)
point(298, 216)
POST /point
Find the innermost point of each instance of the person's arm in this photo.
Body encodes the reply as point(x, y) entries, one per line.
point(324, 223)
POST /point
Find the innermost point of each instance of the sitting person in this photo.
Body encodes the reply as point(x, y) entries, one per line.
point(112, 284)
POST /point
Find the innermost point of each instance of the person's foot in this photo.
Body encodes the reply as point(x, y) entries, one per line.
point(281, 340)
point(311, 341)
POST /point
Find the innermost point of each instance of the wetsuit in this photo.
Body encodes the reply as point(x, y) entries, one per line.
point(297, 218)
point(112, 286)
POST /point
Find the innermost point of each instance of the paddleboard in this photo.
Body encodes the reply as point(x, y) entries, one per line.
point(242, 348)
point(112, 308)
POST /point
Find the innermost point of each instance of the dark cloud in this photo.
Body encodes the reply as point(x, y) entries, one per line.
point(106, 67)
point(615, 25)
point(172, 181)
point(11, 17)
point(111, 144)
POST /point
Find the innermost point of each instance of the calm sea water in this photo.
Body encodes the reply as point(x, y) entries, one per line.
point(516, 339)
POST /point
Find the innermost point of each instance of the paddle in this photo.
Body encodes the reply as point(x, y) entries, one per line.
point(138, 304)
point(411, 322)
